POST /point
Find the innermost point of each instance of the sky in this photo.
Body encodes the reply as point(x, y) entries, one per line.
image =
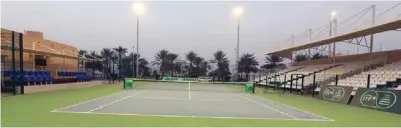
point(201, 26)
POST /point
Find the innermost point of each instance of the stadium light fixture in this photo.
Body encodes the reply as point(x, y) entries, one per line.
point(333, 15)
point(138, 8)
point(238, 11)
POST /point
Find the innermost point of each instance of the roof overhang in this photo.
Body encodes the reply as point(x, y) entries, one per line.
point(287, 52)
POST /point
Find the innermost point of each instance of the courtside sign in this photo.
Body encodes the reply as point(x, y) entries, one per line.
point(378, 99)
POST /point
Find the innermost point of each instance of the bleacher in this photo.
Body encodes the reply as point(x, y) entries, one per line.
point(45, 77)
point(79, 76)
point(379, 76)
point(351, 71)
point(31, 77)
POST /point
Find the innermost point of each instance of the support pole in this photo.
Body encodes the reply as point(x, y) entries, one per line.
point(13, 74)
point(336, 82)
point(296, 83)
point(314, 85)
point(291, 83)
point(302, 85)
point(368, 82)
point(21, 62)
point(373, 24)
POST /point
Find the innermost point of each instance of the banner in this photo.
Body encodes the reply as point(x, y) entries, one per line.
point(378, 99)
point(339, 94)
point(180, 79)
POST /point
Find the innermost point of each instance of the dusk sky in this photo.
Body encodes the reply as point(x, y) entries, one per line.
point(202, 26)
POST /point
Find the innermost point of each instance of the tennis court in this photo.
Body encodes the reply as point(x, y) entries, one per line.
point(190, 100)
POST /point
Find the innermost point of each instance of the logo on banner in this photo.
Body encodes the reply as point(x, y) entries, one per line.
point(378, 99)
point(333, 93)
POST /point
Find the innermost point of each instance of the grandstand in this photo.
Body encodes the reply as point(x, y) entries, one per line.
point(42, 61)
point(362, 70)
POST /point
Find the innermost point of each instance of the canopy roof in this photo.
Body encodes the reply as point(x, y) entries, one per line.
point(287, 52)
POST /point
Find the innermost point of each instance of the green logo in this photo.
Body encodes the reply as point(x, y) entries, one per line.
point(333, 93)
point(378, 99)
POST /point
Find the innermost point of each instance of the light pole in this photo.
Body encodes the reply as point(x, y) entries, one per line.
point(238, 13)
point(139, 9)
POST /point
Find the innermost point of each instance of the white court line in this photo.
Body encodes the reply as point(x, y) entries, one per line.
point(211, 117)
point(266, 106)
point(116, 101)
point(189, 90)
point(90, 100)
point(296, 108)
point(171, 98)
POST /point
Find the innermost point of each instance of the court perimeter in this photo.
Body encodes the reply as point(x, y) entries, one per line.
point(190, 100)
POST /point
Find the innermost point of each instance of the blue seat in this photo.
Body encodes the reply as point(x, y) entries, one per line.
point(7, 73)
point(38, 79)
point(48, 79)
point(47, 73)
point(28, 79)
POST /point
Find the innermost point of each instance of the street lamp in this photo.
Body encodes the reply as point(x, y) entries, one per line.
point(139, 9)
point(238, 13)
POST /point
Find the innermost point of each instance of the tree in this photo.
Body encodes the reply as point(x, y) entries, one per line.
point(205, 67)
point(222, 63)
point(143, 67)
point(197, 62)
point(318, 56)
point(191, 56)
point(301, 57)
point(173, 64)
point(247, 63)
point(81, 52)
point(273, 62)
point(161, 61)
point(121, 51)
point(106, 54)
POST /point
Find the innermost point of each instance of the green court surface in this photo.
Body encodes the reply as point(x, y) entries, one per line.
point(35, 110)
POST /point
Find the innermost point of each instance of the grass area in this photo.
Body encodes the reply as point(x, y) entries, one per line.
point(34, 110)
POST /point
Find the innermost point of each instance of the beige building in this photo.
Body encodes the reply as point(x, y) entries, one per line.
point(58, 56)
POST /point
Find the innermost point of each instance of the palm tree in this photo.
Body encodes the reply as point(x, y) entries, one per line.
point(81, 52)
point(191, 56)
point(161, 60)
point(143, 67)
point(247, 63)
point(222, 64)
point(121, 51)
point(205, 67)
point(301, 57)
point(273, 62)
point(174, 64)
point(318, 56)
point(197, 62)
point(106, 54)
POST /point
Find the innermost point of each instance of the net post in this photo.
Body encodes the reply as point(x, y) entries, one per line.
point(253, 88)
point(124, 83)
